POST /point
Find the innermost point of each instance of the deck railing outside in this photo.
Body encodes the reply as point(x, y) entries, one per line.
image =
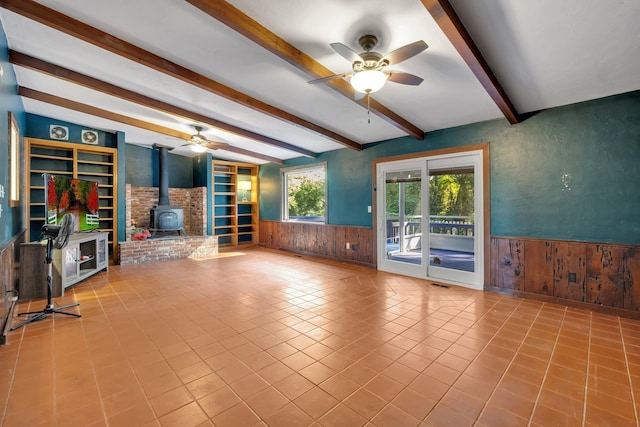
point(455, 225)
point(438, 224)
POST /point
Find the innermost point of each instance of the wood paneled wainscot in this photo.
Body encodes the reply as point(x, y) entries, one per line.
point(588, 275)
point(9, 266)
point(323, 240)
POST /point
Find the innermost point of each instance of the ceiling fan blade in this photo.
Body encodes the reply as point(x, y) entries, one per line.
point(405, 52)
point(404, 78)
point(346, 52)
point(329, 78)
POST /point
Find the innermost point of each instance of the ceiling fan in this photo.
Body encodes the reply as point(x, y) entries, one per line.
point(369, 68)
point(199, 143)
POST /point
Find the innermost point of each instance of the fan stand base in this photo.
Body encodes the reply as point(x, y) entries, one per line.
point(49, 308)
point(41, 315)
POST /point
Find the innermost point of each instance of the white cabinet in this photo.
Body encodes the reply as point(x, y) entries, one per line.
point(85, 255)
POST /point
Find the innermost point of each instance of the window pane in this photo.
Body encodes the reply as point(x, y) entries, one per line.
point(14, 162)
point(304, 194)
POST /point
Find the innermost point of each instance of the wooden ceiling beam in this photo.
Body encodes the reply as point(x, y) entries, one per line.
point(70, 26)
point(449, 22)
point(254, 31)
point(120, 118)
point(31, 63)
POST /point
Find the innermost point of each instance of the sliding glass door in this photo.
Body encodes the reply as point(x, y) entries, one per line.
point(453, 220)
point(401, 197)
point(430, 218)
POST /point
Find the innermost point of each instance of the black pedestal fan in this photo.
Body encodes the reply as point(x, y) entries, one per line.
point(57, 238)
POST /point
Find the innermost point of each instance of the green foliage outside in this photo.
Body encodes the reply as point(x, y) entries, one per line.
point(412, 198)
point(306, 196)
point(449, 195)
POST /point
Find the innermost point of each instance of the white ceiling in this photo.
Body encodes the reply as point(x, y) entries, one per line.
point(545, 53)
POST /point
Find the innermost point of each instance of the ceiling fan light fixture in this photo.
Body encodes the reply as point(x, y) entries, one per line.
point(198, 148)
point(198, 143)
point(197, 139)
point(368, 81)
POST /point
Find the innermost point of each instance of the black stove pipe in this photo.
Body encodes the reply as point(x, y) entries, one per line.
point(163, 184)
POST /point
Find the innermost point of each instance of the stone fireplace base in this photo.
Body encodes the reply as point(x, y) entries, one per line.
point(156, 250)
point(193, 201)
point(140, 201)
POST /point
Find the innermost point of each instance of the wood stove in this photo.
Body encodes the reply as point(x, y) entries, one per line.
point(164, 217)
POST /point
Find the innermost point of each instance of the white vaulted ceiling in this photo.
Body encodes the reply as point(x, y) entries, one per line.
point(541, 54)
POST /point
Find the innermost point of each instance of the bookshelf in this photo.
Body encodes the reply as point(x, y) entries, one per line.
point(88, 162)
point(235, 203)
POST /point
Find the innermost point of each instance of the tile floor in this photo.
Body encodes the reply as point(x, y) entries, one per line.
point(266, 338)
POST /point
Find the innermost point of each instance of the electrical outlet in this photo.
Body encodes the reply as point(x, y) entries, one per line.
point(369, 209)
point(572, 277)
point(354, 247)
point(348, 245)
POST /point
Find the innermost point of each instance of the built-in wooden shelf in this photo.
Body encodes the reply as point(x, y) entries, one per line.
point(74, 160)
point(235, 221)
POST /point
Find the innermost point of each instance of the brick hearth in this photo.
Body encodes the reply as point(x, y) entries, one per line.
point(193, 201)
point(155, 250)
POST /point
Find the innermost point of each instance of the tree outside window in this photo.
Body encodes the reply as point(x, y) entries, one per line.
point(304, 194)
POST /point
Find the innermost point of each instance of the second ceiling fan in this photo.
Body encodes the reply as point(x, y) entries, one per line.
point(199, 143)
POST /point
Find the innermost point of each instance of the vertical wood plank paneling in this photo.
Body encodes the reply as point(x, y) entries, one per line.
point(324, 242)
point(493, 260)
point(340, 243)
point(276, 238)
point(569, 258)
point(538, 262)
point(508, 266)
point(605, 279)
point(264, 233)
point(6, 279)
point(631, 268)
point(9, 279)
point(361, 238)
point(366, 244)
point(291, 235)
point(319, 239)
point(332, 243)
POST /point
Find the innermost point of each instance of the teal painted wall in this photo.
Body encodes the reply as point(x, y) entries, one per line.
point(569, 173)
point(11, 218)
point(142, 168)
point(39, 127)
point(137, 165)
point(202, 177)
point(122, 154)
point(348, 186)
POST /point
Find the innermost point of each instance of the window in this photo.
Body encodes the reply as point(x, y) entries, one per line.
point(304, 193)
point(14, 162)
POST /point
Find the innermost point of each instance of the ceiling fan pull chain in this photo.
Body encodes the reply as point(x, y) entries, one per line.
point(369, 106)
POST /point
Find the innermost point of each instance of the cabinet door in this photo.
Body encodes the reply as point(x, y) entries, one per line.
point(101, 250)
point(69, 264)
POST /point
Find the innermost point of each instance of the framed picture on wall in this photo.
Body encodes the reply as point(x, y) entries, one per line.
point(14, 162)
